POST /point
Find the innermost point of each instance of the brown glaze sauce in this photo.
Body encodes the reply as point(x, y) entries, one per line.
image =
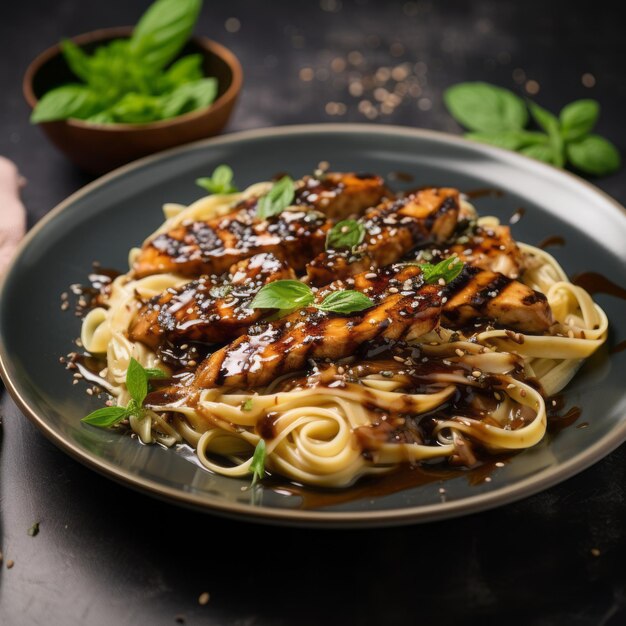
point(404, 477)
point(620, 347)
point(403, 177)
point(554, 240)
point(484, 192)
point(594, 282)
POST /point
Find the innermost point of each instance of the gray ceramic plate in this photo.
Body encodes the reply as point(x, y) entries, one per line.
point(103, 220)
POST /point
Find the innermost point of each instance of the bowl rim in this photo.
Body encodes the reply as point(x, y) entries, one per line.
point(119, 32)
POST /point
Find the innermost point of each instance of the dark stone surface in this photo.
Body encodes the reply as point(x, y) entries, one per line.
point(106, 555)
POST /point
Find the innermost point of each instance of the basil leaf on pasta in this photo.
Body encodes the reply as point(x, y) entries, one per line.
point(107, 416)
point(257, 467)
point(221, 181)
point(136, 382)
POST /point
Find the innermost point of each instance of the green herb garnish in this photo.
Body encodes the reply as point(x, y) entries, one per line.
point(33, 531)
point(498, 117)
point(135, 80)
point(279, 197)
point(257, 467)
point(348, 301)
point(221, 181)
point(345, 234)
point(287, 295)
point(283, 294)
point(137, 378)
point(448, 270)
point(247, 405)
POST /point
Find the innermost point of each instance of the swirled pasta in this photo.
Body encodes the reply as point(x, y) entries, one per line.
point(443, 394)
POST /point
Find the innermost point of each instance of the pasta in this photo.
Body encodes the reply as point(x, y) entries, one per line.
point(448, 393)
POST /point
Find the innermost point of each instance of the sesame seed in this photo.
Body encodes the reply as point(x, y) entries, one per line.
point(532, 87)
point(232, 25)
point(588, 80)
point(594, 552)
point(204, 598)
point(477, 373)
point(499, 464)
point(460, 352)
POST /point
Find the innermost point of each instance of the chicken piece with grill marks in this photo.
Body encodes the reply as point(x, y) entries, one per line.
point(298, 233)
point(392, 229)
point(210, 309)
point(403, 307)
point(478, 295)
point(489, 247)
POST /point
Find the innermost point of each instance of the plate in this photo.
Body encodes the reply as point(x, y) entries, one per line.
point(109, 216)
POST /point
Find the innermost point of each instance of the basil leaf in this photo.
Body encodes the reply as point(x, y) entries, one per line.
point(486, 108)
point(279, 197)
point(550, 123)
point(257, 467)
point(68, 101)
point(509, 139)
point(107, 416)
point(104, 117)
point(348, 301)
point(283, 294)
point(189, 97)
point(247, 405)
point(594, 155)
point(76, 59)
point(163, 30)
point(221, 181)
point(155, 372)
point(448, 269)
point(578, 118)
point(541, 152)
point(136, 108)
point(136, 382)
point(186, 70)
point(345, 234)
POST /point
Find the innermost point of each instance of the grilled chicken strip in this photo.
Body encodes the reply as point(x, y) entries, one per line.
point(477, 295)
point(403, 307)
point(211, 309)
point(487, 247)
point(392, 229)
point(297, 234)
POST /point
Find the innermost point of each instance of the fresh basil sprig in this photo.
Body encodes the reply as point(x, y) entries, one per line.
point(137, 379)
point(279, 197)
point(448, 270)
point(163, 30)
point(221, 181)
point(257, 467)
point(128, 80)
point(498, 117)
point(287, 295)
point(345, 234)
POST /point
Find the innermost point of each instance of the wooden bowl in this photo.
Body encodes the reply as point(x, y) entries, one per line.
point(98, 148)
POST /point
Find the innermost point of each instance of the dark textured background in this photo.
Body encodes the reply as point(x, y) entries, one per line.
point(105, 555)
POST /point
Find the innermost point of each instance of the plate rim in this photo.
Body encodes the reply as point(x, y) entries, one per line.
point(537, 483)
